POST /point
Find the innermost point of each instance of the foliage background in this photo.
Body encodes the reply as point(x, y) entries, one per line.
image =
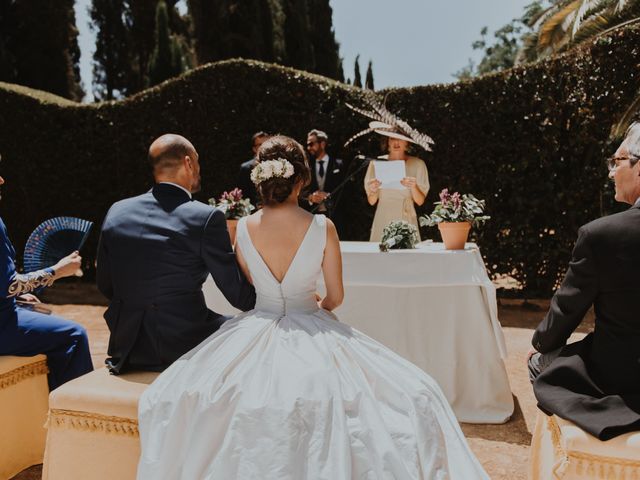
point(529, 140)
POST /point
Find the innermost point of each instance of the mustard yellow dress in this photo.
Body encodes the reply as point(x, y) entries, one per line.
point(397, 204)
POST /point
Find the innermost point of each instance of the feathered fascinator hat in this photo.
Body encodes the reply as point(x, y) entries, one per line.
point(386, 123)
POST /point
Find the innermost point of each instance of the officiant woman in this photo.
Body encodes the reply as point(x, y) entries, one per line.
point(393, 204)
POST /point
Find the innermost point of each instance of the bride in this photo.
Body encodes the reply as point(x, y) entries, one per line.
point(285, 391)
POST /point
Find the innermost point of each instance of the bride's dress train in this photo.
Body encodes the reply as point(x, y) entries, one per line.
point(285, 392)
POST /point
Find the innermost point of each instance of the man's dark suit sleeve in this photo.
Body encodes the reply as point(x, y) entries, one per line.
point(220, 259)
point(571, 301)
point(103, 270)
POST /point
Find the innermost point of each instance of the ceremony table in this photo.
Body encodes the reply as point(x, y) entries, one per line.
point(436, 308)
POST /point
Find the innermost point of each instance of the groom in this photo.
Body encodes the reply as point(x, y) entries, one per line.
point(155, 252)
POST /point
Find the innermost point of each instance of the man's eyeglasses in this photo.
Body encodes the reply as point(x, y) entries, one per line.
point(614, 162)
point(311, 143)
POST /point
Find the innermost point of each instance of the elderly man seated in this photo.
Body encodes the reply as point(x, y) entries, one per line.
point(595, 383)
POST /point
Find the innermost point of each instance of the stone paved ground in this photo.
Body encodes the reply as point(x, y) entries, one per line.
point(502, 449)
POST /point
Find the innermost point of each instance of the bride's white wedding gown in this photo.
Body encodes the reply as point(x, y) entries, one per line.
point(286, 392)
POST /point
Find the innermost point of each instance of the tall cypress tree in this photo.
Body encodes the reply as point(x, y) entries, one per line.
point(166, 61)
point(7, 60)
point(297, 33)
point(357, 79)
point(43, 44)
point(207, 28)
point(113, 65)
point(298, 43)
point(274, 19)
point(142, 23)
point(323, 40)
point(340, 72)
point(142, 30)
point(368, 82)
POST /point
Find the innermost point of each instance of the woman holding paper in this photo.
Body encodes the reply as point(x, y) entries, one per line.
point(396, 200)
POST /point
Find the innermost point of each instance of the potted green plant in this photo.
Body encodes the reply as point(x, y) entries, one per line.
point(455, 214)
point(397, 235)
point(234, 207)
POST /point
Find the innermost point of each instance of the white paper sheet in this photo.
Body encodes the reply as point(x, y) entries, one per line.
point(390, 173)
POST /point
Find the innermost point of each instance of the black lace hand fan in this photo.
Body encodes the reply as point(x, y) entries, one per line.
point(53, 240)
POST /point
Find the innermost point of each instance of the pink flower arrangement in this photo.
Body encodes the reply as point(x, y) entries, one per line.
point(233, 205)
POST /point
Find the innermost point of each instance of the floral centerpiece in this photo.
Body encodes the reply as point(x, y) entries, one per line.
point(455, 214)
point(397, 235)
point(234, 207)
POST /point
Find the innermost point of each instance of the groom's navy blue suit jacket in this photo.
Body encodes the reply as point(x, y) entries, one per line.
point(155, 252)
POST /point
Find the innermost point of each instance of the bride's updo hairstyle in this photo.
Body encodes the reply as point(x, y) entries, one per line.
point(277, 188)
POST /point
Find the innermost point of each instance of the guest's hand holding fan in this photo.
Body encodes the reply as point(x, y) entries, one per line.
point(68, 266)
point(55, 243)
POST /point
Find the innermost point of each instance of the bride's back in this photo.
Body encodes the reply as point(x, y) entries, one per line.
point(277, 234)
point(282, 248)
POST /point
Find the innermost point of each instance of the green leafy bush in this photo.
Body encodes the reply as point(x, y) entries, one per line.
point(530, 141)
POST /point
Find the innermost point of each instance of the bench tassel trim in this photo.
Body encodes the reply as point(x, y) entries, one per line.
point(19, 374)
point(589, 465)
point(92, 422)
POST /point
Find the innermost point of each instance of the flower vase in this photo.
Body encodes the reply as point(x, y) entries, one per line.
point(232, 225)
point(454, 234)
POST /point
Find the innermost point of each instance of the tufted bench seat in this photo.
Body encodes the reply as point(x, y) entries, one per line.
point(23, 412)
point(93, 427)
point(561, 450)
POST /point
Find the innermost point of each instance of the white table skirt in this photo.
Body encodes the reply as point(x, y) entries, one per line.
point(437, 308)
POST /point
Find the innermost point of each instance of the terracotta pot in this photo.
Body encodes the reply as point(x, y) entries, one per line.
point(232, 225)
point(454, 234)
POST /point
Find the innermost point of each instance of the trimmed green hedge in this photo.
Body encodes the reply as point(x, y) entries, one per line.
point(531, 141)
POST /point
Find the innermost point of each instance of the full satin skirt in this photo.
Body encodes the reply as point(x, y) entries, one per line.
point(295, 397)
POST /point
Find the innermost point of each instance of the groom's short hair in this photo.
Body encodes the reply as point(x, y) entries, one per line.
point(167, 151)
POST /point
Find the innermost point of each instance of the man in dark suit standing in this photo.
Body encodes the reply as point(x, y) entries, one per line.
point(155, 253)
point(244, 177)
point(327, 173)
point(595, 383)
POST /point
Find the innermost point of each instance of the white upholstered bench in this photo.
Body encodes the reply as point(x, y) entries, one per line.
point(93, 427)
point(561, 450)
point(23, 411)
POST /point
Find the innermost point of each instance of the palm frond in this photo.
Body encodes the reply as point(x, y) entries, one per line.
point(553, 33)
point(595, 25)
point(536, 21)
point(529, 50)
point(620, 5)
point(585, 7)
point(620, 127)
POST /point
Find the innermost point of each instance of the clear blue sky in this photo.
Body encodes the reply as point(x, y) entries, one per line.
point(411, 42)
point(416, 42)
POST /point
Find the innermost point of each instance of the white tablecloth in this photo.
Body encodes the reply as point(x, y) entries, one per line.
point(435, 307)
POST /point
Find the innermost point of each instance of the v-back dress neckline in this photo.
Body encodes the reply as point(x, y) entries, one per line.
point(261, 258)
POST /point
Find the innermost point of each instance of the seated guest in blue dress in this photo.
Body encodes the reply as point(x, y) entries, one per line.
point(25, 333)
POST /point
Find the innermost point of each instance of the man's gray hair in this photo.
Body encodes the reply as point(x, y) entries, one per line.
point(632, 139)
point(319, 134)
